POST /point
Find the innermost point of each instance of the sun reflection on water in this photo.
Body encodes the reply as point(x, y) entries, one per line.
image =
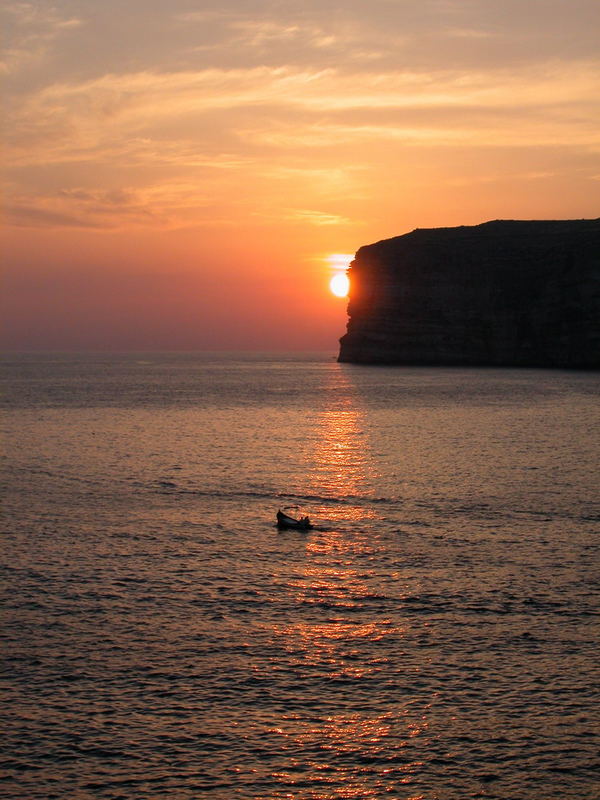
point(342, 467)
point(342, 637)
point(339, 755)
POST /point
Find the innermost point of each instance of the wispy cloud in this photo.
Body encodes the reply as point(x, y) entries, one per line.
point(164, 118)
point(266, 33)
point(163, 205)
point(36, 217)
point(31, 30)
point(315, 105)
point(316, 217)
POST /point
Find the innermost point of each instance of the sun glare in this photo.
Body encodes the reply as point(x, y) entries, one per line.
point(339, 263)
point(340, 284)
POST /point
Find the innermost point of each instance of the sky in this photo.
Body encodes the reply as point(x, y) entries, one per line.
point(181, 174)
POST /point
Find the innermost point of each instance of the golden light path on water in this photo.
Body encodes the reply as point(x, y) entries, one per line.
point(336, 588)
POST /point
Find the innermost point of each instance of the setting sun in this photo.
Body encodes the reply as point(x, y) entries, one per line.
point(339, 284)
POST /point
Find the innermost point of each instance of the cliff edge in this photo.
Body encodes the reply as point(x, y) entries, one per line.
point(504, 293)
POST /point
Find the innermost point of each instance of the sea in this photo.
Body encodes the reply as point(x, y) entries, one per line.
point(433, 637)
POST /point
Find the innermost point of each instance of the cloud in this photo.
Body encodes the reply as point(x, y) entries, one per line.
point(171, 117)
point(32, 31)
point(84, 208)
point(264, 34)
point(316, 217)
point(556, 131)
point(32, 217)
point(216, 111)
point(166, 205)
point(151, 36)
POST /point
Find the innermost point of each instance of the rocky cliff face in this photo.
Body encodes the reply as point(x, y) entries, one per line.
point(502, 293)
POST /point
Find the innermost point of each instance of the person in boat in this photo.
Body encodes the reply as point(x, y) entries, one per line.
point(284, 520)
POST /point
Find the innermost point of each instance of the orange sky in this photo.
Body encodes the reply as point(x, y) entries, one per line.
point(178, 173)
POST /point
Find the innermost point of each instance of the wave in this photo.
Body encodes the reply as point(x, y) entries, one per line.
point(168, 487)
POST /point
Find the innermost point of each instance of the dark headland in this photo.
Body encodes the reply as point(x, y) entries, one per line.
point(504, 293)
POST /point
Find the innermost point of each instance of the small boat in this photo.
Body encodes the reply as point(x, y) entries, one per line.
point(284, 521)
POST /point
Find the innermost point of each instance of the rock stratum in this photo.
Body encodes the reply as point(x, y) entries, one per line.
point(504, 293)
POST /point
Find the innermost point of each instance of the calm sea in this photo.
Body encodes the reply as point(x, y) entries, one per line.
point(433, 638)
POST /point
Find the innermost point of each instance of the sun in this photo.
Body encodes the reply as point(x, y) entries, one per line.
point(340, 284)
point(339, 263)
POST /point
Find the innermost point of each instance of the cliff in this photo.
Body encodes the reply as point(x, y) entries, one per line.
point(503, 293)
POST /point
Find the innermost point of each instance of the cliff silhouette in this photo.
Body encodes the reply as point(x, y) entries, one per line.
point(503, 293)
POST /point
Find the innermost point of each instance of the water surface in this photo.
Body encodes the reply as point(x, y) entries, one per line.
point(433, 637)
